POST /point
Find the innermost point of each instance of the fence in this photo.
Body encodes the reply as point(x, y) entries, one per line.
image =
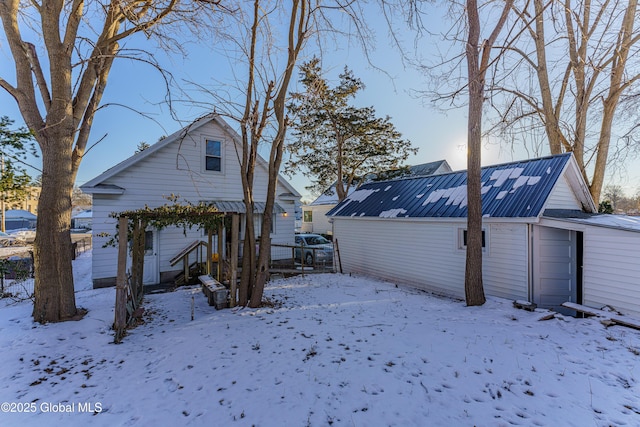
point(17, 271)
point(300, 259)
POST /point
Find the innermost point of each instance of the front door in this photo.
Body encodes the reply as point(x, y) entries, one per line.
point(151, 272)
point(555, 268)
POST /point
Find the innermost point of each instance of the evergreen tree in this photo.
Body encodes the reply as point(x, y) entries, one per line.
point(14, 180)
point(335, 142)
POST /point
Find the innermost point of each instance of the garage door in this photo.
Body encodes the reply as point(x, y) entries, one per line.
point(555, 268)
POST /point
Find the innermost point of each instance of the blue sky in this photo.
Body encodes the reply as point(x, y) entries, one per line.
point(438, 135)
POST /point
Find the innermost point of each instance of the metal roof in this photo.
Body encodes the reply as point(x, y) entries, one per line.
point(619, 222)
point(512, 190)
point(238, 206)
point(330, 196)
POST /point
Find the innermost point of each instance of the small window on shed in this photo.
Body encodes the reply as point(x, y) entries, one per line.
point(462, 239)
point(307, 216)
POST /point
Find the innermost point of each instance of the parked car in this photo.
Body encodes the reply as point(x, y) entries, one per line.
point(6, 239)
point(313, 246)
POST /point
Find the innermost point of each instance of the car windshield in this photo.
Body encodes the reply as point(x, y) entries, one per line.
point(317, 240)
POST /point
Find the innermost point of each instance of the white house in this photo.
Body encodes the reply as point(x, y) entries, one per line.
point(543, 241)
point(82, 220)
point(314, 215)
point(198, 164)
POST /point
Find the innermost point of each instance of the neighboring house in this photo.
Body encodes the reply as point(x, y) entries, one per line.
point(199, 164)
point(314, 215)
point(15, 219)
point(29, 202)
point(543, 241)
point(82, 220)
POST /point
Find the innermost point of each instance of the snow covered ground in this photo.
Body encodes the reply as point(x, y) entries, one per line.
point(333, 351)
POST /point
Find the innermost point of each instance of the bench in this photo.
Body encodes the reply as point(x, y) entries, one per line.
point(607, 317)
point(216, 293)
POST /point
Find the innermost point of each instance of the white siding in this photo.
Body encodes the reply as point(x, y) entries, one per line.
point(612, 269)
point(320, 222)
point(562, 197)
point(177, 169)
point(426, 254)
point(505, 267)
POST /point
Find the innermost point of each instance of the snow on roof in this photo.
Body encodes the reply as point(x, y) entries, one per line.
point(18, 214)
point(513, 190)
point(623, 222)
point(84, 214)
point(616, 221)
point(330, 197)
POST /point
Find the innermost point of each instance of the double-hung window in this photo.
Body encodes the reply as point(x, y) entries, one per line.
point(213, 156)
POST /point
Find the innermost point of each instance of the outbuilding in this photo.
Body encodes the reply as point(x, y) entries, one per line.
point(543, 241)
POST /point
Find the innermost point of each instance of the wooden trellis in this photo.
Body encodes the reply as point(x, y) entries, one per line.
point(129, 291)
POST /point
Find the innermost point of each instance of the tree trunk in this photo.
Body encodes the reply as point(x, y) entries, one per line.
point(556, 140)
point(478, 58)
point(262, 269)
point(53, 289)
point(618, 82)
point(473, 286)
point(248, 260)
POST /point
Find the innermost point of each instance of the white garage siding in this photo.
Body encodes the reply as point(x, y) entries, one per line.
point(427, 254)
point(506, 266)
point(612, 269)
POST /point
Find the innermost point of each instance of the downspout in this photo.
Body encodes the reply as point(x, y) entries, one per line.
point(530, 257)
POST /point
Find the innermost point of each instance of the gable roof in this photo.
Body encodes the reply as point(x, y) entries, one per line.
point(330, 196)
point(430, 168)
point(511, 190)
point(18, 214)
point(97, 185)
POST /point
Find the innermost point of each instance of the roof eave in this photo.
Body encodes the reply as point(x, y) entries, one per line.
point(103, 190)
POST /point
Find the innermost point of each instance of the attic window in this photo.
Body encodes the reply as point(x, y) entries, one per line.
point(213, 156)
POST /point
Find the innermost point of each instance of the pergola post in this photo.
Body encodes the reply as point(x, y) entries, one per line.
point(233, 262)
point(220, 250)
point(209, 251)
point(120, 321)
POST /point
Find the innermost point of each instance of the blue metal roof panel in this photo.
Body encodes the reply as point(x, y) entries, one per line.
point(512, 190)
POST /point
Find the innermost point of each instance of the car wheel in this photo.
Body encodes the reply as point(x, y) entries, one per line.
point(309, 259)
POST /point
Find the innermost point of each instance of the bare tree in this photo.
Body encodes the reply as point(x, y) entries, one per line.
point(479, 59)
point(263, 104)
point(575, 64)
point(614, 194)
point(263, 56)
point(58, 96)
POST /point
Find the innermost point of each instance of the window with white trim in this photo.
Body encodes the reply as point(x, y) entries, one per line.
point(462, 239)
point(307, 216)
point(213, 155)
